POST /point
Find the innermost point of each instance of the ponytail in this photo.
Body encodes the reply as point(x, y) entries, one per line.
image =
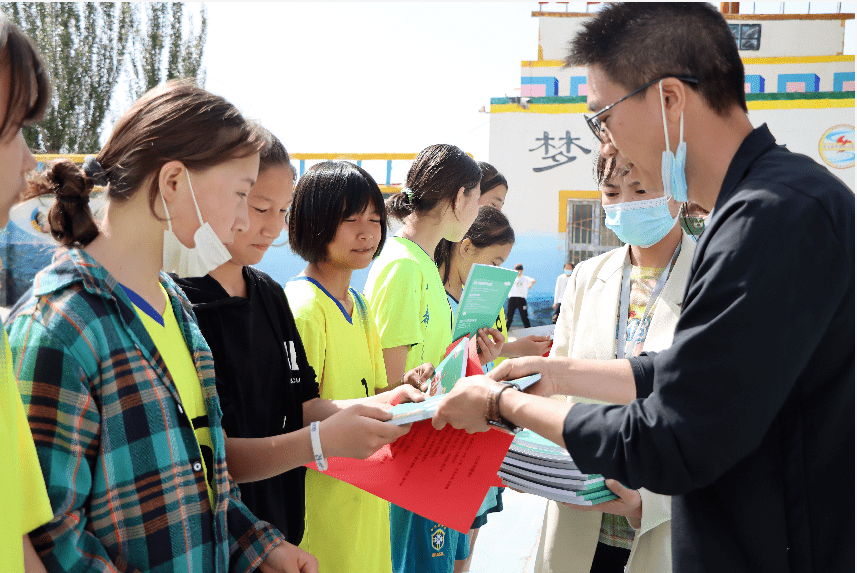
point(435, 177)
point(400, 205)
point(70, 217)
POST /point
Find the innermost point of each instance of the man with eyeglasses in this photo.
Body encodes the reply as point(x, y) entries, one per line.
point(747, 419)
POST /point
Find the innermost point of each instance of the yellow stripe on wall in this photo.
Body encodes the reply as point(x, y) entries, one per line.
point(747, 61)
point(560, 108)
point(539, 108)
point(800, 104)
point(798, 60)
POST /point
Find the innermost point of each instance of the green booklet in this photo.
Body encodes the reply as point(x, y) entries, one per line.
point(450, 370)
point(417, 411)
point(485, 291)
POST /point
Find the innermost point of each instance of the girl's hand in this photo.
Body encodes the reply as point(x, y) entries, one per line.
point(419, 377)
point(287, 558)
point(489, 342)
point(629, 505)
point(532, 345)
point(398, 395)
point(358, 432)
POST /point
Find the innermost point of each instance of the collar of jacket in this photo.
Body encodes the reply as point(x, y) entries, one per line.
point(754, 146)
point(73, 265)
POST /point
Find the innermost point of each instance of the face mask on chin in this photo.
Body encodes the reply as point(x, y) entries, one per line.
point(207, 254)
point(673, 166)
point(640, 223)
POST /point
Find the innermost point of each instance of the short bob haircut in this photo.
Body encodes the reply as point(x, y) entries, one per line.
point(325, 195)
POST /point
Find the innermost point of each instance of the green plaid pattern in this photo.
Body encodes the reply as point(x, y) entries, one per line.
point(616, 531)
point(118, 453)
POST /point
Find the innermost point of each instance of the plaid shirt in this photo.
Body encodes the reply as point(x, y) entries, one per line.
point(119, 454)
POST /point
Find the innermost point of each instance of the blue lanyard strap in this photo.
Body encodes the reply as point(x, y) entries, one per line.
point(625, 303)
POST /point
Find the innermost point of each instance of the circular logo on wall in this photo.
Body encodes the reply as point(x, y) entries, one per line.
point(836, 146)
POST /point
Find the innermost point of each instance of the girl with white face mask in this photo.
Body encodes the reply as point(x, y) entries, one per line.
point(619, 304)
point(118, 376)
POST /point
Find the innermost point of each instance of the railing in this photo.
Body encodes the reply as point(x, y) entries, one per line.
point(301, 158)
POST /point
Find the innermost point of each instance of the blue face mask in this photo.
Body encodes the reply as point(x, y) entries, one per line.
point(640, 223)
point(672, 166)
point(567, 272)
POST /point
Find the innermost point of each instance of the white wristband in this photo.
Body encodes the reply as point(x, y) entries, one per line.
point(314, 437)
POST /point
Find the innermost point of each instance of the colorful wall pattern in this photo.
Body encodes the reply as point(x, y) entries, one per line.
point(843, 82)
point(797, 83)
point(540, 86)
point(754, 84)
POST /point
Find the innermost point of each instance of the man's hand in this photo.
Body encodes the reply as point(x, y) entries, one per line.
point(358, 432)
point(519, 367)
point(629, 505)
point(490, 342)
point(286, 558)
point(465, 406)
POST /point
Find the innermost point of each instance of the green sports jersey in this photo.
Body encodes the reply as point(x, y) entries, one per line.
point(409, 302)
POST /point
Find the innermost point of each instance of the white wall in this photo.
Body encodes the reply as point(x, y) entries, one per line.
point(532, 202)
point(779, 37)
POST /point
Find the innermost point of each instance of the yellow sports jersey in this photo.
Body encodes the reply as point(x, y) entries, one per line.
point(168, 338)
point(23, 497)
point(409, 302)
point(347, 529)
point(501, 326)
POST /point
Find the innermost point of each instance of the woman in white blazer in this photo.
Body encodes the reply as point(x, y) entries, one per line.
point(587, 328)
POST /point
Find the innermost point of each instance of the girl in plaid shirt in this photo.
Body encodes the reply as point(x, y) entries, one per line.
point(131, 446)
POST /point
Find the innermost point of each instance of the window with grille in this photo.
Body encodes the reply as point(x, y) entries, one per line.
point(747, 36)
point(586, 234)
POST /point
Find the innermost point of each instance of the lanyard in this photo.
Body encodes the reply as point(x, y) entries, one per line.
point(625, 303)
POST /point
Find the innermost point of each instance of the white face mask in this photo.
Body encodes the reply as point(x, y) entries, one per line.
point(207, 254)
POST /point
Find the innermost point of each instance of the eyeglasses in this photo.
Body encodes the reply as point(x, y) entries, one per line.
point(598, 128)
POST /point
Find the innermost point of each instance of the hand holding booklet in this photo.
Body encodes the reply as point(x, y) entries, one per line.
point(418, 411)
point(442, 475)
point(486, 289)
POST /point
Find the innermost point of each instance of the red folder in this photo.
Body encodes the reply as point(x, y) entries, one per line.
point(441, 475)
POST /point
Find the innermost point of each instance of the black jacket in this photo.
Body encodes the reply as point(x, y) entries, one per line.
point(263, 379)
point(748, 418)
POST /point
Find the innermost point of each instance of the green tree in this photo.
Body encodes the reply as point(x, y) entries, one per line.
point(162, 50)
point(83, 46)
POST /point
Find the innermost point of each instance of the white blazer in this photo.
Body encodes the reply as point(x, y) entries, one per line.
point(586, 328)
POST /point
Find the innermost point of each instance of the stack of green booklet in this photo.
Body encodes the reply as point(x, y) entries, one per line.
point(538, 466)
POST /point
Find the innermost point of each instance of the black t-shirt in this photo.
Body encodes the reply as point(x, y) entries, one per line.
point(263, 379)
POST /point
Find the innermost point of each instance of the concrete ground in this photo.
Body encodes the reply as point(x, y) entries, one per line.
point(508, 542)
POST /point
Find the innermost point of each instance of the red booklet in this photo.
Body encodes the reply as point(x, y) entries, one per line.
point(441, 475)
